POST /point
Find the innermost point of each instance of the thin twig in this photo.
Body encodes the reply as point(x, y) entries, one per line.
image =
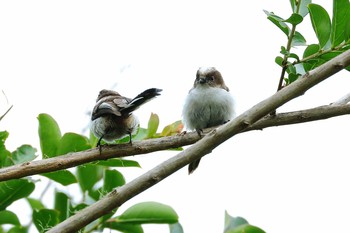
point(1, 117)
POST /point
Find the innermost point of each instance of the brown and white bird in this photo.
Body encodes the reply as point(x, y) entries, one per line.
point(112, 117)
point(209, 103)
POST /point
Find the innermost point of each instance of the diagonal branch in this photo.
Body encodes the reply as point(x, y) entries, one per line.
point(148, 146)
point(213, 139)
point(151, 145)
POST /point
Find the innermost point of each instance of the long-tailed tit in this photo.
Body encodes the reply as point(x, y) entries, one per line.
point(113, 118)
point(209, 103)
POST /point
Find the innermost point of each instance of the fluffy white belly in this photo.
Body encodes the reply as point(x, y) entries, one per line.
point(207, 107)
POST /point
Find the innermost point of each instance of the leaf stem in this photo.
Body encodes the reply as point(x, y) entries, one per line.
point(286, 56)
point(289, 45)
point(319, 53)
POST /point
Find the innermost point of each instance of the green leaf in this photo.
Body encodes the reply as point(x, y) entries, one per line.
point(35, 204)
point(13, 190)
point(278, 21)
point(141, 134)
point(294, 19)
point(75, 209)
point(341, 12)
point(239, 225)
point(5, 158)
point(321, 23)
point(279, 60)
point(118, 163)
point(45, 219)
point(176, 228)
point(295, 56)
point(231, 222)
point(18, 229)
point(49, 134)
point(149, 212)
point(303, 11)
point(292, 77)
point(310, 50)
point(61, 204)
point(112, 179)
point(5, 155)
point(3, 136)
point(291, 69)
point(298, 39)
point(245, 229)
point(347, 29)
point(24, 153)
point(72, 142)
point(284, 51)
point(124, 227)
point(8, 217)
point(63, 177)
point(300, 68)
point(153, 124)
point(330, 55)
point(312, 64)
point(172, 129)
point(88, 175)
point(93, 139)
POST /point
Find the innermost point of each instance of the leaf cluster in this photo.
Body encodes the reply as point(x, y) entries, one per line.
point(333, 37)
point(95, 180)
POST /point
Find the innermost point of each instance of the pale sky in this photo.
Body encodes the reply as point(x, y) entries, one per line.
point(55, 56)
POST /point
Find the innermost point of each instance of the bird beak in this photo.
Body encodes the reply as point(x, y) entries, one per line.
point(202, 80)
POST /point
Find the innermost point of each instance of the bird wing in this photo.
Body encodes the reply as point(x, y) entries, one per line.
point(110, 105)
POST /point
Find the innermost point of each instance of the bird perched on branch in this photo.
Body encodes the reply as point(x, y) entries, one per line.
point(112, 117)
point(209, 103)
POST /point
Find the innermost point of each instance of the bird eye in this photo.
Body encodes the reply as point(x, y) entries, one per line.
point(210, 78)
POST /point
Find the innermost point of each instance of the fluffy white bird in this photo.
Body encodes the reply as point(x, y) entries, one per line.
point(209, 103)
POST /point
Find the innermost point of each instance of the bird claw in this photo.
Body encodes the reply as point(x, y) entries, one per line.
point(199, 132)
point(130, 139)
point(99, 144)
point(183, 133)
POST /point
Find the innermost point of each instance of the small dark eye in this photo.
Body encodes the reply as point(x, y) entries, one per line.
point(210, 78)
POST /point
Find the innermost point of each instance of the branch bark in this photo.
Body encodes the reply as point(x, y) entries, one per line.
point(120, 195)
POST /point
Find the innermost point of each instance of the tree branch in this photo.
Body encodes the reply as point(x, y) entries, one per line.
point(297, 117)
point(151, 145)
point(120, 195)
point(108, 151)
point(344, 100)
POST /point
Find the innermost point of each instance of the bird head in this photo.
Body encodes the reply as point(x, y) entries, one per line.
point(210, 77)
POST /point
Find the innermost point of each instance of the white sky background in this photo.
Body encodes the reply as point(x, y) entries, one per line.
point(56, 56)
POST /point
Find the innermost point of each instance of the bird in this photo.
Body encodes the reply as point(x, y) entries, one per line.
point(112, 116)
point(207, 104)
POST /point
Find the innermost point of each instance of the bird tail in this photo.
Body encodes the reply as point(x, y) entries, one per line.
point(141, 99)
point(193, 166)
